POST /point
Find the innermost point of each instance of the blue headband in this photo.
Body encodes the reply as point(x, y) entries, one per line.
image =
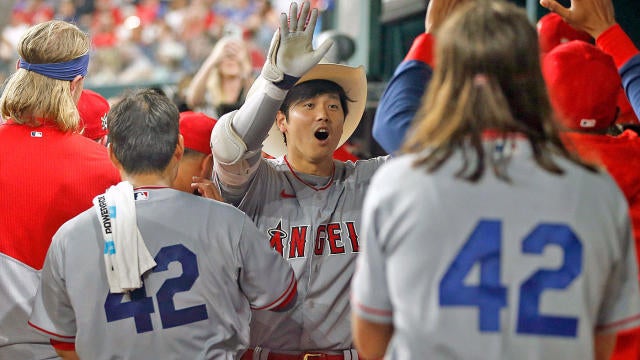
point(67, 70)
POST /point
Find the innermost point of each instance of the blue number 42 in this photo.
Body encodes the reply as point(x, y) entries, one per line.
point(484, 248)
point(140, 307)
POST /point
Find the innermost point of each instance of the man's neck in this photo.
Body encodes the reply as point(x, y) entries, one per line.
point(324, 167)
point(142, 180)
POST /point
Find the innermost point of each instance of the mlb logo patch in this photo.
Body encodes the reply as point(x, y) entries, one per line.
point(37, 134)
point(587, 123)
point(141, 195)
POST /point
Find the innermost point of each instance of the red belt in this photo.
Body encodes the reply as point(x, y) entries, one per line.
point(248, 355)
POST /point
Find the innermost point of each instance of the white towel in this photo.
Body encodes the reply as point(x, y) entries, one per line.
point(126, 257)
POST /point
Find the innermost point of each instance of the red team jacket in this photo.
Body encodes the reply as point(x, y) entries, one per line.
point(46, 178)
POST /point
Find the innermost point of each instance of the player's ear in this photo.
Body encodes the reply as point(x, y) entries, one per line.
point(179, 148)
point(113, 158)
point(206, 167)
point(281, 121)
point(76, 85)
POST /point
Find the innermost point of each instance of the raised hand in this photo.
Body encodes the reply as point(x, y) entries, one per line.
point(291, 53)
point(591, 16)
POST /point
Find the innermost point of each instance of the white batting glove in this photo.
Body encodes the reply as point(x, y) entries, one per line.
point(291, 52)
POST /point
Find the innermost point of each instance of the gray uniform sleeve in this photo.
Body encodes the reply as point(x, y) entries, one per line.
point(265, 277)
point(620, 308)
point(249, 125)
point(369, 291)
point(52, 312)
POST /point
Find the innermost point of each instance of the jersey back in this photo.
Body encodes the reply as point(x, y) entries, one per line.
point(212, 267)
point(527, 269)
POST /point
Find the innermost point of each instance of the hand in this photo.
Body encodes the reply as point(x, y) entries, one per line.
point(206, 188)
point(291, 52)
point(438, 11)
point(591, 16)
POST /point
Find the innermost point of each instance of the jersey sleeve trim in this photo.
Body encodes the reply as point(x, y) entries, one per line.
point(372, 311)
point(615, 42)
point(422, 49)
point(282, 300)
point(63, 345)
point(287, 301)
point(620, 324)
point(50, 333)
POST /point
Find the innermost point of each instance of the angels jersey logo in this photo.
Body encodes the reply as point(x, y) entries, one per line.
point(291, 242)
point(276, 238)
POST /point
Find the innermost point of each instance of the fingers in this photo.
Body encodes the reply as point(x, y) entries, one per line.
point(297, 21)
point(284, 25)
point(555, 7)
point(322, 50)
point(304, 14)
point(311, 25)
point(206, 188)
point(293, 16)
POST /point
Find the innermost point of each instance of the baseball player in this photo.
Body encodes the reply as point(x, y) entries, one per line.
point(583, 82)
point(197, 162)
point(305, 201)
point(208, 263)
point(488, 239)
point(48, 172)
point(93, 109)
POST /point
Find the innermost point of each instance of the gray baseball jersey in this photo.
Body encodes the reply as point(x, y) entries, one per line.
point(530, 269)
point(212, 267)
point(316, 228)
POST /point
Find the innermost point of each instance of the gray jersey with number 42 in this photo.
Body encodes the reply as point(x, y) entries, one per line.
point(530, 269)
point(212, 267)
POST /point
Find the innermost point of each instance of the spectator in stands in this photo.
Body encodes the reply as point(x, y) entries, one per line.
point(222, 82)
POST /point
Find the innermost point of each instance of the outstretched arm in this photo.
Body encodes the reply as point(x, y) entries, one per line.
point(402, 97)
point(237, 139)
point(597, 18)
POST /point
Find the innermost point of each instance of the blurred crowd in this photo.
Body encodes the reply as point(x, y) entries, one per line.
point(161, 41)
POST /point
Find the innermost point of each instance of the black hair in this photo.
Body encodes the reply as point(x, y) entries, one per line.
point(143, 131)
point(312, 88)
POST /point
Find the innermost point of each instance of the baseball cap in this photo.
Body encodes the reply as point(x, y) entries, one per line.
point(553, 31)
point(93, 109)
point(583, 84)
point(354, 82)
point(626, 114)
point(196, 129)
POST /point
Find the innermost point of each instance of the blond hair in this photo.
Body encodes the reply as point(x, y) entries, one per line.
point(214, 80)
point(28, 95)
point(487, 77)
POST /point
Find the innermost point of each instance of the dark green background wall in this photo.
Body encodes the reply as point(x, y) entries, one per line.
point(391, 41)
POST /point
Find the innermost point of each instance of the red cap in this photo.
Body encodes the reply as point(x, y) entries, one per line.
point(553, 31)
point(583, 85)
point(196, 128)
point(626, 115)
point(93, 109)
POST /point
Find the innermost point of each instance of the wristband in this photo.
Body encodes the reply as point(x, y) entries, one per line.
point(287, 82)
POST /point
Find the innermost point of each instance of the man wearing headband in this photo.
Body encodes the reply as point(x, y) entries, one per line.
point(304, 200)
point(50, 172)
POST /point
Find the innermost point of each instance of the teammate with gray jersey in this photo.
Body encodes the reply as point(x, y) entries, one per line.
point(211, 264)
point(488, 239)
point(306, 202)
